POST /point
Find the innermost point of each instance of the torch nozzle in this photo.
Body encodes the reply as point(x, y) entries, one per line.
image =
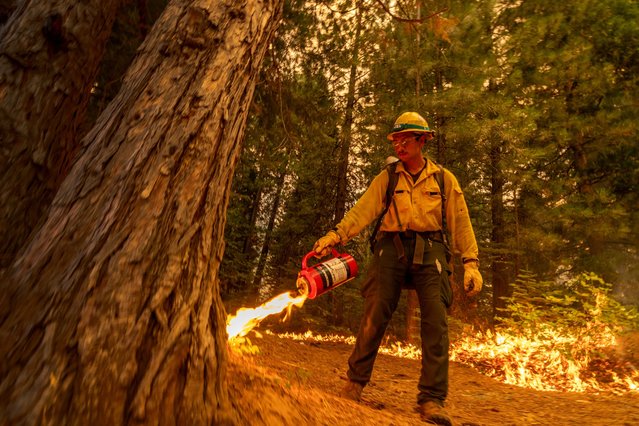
point(302, 287)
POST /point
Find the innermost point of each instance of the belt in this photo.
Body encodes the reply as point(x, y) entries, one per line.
point(420, 243)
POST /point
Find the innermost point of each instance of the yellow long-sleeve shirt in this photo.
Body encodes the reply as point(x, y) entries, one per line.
point(418, 208)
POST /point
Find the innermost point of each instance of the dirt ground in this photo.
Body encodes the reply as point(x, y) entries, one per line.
point(297, 383)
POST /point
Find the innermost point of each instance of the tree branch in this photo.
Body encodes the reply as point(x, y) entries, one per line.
point(411, 20)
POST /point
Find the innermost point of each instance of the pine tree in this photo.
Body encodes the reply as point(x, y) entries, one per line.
point(574, 73)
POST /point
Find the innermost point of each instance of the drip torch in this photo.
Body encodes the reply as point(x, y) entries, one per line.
point(315, 280)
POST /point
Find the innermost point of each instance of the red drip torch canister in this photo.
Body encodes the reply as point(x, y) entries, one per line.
point(315, 280)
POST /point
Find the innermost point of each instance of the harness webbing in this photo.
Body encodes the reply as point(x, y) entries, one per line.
point(393, 177)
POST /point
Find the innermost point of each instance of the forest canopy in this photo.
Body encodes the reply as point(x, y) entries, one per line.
point(534, 108)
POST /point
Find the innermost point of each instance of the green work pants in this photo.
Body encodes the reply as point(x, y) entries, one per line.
point(381, 290)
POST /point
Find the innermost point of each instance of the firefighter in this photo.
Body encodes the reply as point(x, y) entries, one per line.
point(411, 250)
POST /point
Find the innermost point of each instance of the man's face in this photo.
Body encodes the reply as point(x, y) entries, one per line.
point(408, 146)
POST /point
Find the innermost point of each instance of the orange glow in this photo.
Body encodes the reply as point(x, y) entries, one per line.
point(533, 362)
point(245, 319)
point(549, 360)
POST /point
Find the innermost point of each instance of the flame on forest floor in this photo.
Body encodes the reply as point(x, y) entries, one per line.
point(549, 360)
point(245, 319)
point(540, 362)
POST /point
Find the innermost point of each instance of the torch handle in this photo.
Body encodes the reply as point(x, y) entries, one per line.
point(312, 253)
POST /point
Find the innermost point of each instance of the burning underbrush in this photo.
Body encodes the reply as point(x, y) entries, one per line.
point(545, 362)
point(550, 360)
point(578, 340)
point(572, 337)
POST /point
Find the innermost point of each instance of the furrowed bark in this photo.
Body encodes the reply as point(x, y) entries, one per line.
point(112, 314)
point(50, 53)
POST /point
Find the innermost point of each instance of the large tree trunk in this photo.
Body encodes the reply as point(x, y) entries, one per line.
point(112, 313)
point(50, 54)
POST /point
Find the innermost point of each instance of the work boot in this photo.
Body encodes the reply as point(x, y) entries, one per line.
point(352, 390)
point(434, 412)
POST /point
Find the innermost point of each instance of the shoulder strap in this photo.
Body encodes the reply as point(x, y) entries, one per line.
point(439, 177)
point(390, 190)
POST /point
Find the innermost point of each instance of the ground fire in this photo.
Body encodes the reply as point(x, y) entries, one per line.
point(537, 362)
point(520, 361)
point(550, 358)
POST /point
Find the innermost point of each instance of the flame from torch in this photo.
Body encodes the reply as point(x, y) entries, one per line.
point(245, 319)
